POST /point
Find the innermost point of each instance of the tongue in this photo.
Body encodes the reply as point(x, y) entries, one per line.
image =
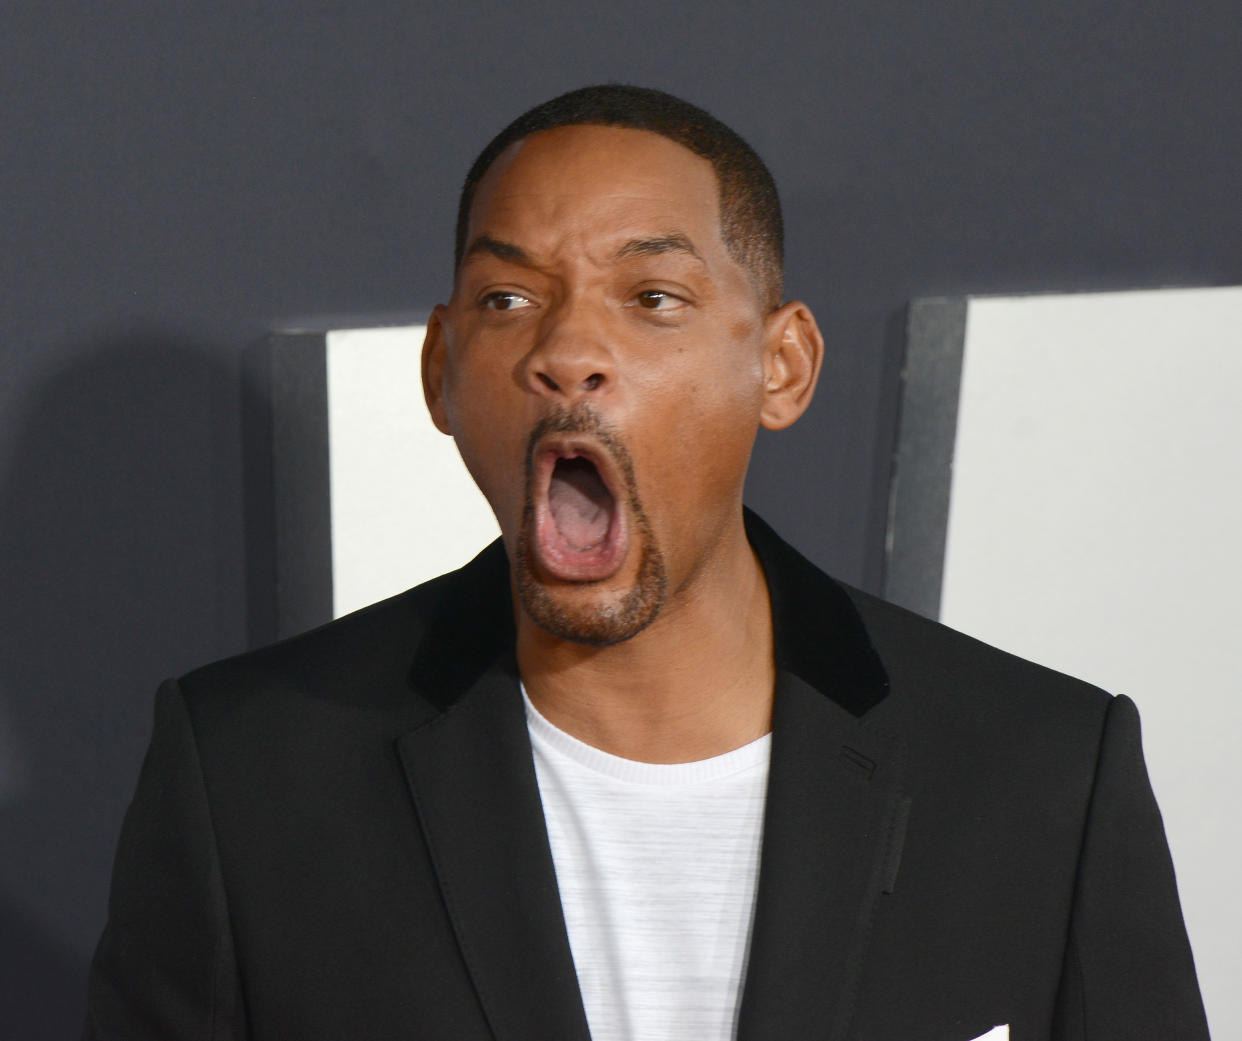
point(580, 503)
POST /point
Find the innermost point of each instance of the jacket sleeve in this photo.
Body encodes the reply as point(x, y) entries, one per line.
point(165, 964)
point(1128, 973)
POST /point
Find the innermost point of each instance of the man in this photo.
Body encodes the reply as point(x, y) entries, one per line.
point(638, 771)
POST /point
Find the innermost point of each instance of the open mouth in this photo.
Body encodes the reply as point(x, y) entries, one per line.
point(580, 503)
point(580, 529)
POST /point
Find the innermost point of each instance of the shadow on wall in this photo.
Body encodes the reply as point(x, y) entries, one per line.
point(115, 507)
point(40, 997)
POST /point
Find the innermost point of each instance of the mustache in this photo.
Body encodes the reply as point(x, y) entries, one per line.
point(581, 418)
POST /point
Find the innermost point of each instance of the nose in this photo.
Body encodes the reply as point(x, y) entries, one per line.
point(571, 359)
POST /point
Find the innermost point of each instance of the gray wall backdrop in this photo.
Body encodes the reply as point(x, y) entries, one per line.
point(177, 179)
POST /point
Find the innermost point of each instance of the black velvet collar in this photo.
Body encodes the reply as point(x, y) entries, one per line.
point(819, 635)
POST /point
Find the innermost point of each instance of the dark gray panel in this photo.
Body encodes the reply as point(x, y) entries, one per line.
point(302, 482)
point(918, 513)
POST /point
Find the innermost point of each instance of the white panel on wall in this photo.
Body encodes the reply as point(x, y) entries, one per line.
point(1095, 525)
point(403, 506)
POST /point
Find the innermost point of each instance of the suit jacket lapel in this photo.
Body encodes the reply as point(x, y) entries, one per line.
point(473, 780)
point(835, 808)
point(472, 776)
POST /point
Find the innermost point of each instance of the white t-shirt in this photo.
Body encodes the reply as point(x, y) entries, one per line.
point(657, 867)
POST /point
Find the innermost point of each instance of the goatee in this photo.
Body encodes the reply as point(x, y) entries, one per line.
point(610, 618)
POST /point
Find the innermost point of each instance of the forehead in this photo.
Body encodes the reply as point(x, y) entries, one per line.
point(597, 181)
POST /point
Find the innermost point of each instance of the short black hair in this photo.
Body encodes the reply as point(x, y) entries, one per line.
point(750, 210)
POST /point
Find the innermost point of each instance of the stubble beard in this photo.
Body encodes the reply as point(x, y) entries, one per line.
point(602, 622)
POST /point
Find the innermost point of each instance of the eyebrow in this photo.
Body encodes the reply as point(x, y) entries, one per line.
point(496, 248)
point(674, 242)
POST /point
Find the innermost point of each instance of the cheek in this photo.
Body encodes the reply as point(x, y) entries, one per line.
point(726, 403)
point(704, 450)
point(491, 442)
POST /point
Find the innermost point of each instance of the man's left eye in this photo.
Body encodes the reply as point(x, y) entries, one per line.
point(657, 300)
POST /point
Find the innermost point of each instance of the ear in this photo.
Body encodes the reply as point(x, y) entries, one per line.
point(433, 370)
point(792, 357)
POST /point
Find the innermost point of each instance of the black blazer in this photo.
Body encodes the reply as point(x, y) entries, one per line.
point(341, 837)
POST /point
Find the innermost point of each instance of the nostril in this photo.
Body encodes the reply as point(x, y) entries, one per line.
point(548, 381)
point(592, 381)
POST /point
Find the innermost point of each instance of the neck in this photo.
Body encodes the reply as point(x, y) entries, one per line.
point(696, 683)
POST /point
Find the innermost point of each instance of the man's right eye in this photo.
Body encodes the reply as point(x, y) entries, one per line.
point(504, 300)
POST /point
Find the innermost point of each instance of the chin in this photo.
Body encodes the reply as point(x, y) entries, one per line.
point(585, 612)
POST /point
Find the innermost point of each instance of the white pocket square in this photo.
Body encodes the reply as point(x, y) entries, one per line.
point(1000, 1033)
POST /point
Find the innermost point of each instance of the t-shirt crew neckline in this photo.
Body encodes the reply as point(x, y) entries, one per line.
point(751, 756)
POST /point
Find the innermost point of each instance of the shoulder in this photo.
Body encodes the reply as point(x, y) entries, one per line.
point(922, 654)
point(402, 654)
point(843, 639)
point(975, 713)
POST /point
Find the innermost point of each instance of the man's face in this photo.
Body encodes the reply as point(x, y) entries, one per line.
point(601, 366)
